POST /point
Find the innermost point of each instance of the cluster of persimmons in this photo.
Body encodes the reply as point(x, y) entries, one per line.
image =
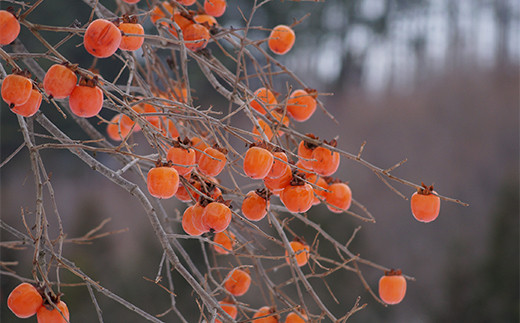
point(192, 165)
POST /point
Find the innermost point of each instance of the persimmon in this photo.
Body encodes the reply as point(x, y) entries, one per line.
point(301, 251)
point(258, 162)
point(281, 39)
point(264, 98)
point(186, 2)
point(16, 89)
point(297, 198)
point(116, 130)
point(225, 238)
point(215, 8)
point(392, 287)
point(24, 300)
point(294, 317)
point(211, 162)
point(339, 196)
point(425, 204)
point(162, 181)
point(180, 93)
point(325, 162)
point(276, 185)
point(216, 217)
point(255, 205)
point(196, 37)
point(280, 119)
point(128, 122)
point(59, 81)
point(280, 165)
point(206, 20)
point(86, 100)
point(30, 107)
point(237, 282)
point(303, 169)
point(320, 190)
point(158, 13)
point(265, 128)
point(199, 146)
point(131, 1)
point(186, 193)
point(305, 154)
point(9, 27)
point(183, 159)
point(131, 43)
point(229, 308)
point(264, 311)
point(197, 219)
point(102, 38)
point(168, 128)
point(46, 314)
point(301, 105)
point(188, 222)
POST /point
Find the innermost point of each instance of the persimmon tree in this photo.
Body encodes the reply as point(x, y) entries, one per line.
point(232, 179)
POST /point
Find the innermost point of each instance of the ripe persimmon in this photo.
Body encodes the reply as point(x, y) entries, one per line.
point(305, 154)
point(199, 146)
point(183, 159)
point(158, 13)
point(297, 198)
point(216, 217)
point(186, 193)
point(301, 105)
point(258, 162)
point(229, 308)
point(281, 39)
point(102, 38)
point(425, 204)
point(264, 311)
point(225, 238)
point(264, 98)
point(215, 8)
point(255, 205)
point(30, 107)
point(325, 162)
point(211, 162)
point(24, 300)
point(319, 194)
point(196, 37)
point(86, 100)
point(301, 251)
point(392, 287)
point(59, 81)
point(237, 282)
point(186, 2)
point(188, 222)
point(206, 20)
point(9, 27)
point(280, 165)
point(162, 181)
point(339, 196)
point(131, 43)
point(16, 89)
point(293, 317)
point(276, 185)
point(48, 314)
point(116, 130)
point(265, 128)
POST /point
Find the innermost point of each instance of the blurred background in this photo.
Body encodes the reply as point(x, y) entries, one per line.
point(436, 82)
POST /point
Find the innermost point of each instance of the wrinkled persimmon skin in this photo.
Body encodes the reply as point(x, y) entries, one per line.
point(237, 283)
point(277, 185)
point(24, 300)
point(295, 318)
point(226, 239)
point(305, 154)
point(280, 165)
point(9, 27)
point(254, 207)
point(59, 81)
point(30, 107)
point(163, 182)
point(302, 257)
point(182, 156)
point(197, 220)
point(325, 162)
point(188, 222)
point(102, 38)
point(258, 162)
point(281, 39)
point(196, 37)
point(301, 105)
point(392, 289)
point(216, 217)
point(215, 8)
point(298, 198)
point(263, 311)
point(16, 89)
point(265, 128)
point(425, 208)
point(338, 195)
point(131, 43)
point(265, 97)
point(53, 316)
point(210, 166)
point(86, 101)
